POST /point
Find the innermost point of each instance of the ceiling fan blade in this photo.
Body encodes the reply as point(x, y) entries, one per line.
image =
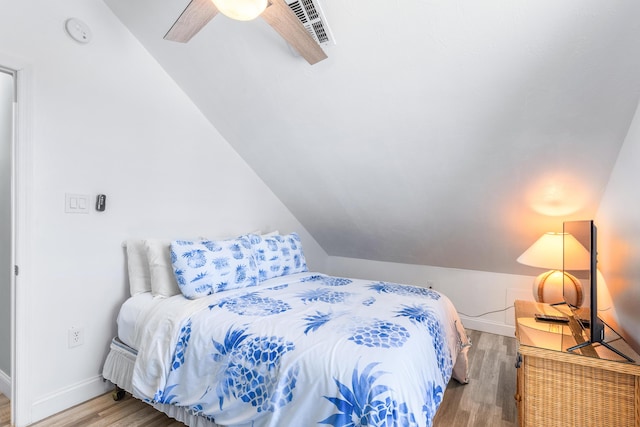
point(195, 16)
point(287, 24)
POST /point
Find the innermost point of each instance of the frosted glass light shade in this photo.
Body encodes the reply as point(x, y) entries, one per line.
point(241, 10)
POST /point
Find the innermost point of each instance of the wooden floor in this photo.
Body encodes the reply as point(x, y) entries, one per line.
point(5, 411)
point(486, 401)
point(488, 398)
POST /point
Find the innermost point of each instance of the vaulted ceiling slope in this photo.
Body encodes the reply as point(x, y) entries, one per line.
point(446, 132)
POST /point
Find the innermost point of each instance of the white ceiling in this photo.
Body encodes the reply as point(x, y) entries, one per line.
point(446, 132)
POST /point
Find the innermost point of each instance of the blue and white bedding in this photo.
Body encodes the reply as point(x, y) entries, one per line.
point(303, 350)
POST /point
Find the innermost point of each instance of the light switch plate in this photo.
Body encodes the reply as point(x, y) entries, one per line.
point(76, 203)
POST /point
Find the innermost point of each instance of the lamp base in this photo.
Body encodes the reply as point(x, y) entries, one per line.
point(555, 287)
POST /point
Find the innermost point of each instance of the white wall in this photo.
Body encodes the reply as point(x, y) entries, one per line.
point(105, 118)
point(618, 222)
point(6, 115)
point(473, 293)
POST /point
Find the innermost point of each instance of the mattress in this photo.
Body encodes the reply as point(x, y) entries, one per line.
point(130, 313)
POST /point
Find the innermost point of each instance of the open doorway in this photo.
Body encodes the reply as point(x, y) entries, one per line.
point(6, 268)
point(7, 97)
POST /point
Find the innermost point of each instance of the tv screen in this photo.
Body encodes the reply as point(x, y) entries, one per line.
point(580, 260)
point(583, 265)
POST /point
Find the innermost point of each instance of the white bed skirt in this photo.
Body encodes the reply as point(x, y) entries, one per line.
point(118, 369)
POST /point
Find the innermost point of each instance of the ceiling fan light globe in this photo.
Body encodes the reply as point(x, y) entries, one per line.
point(241, 10)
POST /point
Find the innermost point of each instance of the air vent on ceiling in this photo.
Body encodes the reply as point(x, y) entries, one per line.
point(310, 14)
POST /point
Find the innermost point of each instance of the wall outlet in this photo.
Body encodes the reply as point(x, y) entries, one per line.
point(75, 337)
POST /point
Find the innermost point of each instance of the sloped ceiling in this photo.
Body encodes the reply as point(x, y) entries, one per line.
point(448, 133)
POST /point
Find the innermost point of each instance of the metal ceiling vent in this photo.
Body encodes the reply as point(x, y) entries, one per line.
point(310, 14)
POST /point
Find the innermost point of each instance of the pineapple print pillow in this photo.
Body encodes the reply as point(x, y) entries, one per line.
point(278, 255)
point(205, 267)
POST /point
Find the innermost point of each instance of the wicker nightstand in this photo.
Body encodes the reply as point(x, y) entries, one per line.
point(555, 388)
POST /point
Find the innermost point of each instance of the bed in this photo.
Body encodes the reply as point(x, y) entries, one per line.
point(271, 344)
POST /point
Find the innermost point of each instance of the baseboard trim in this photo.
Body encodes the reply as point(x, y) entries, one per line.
point(5, 384)
point(488, 326)
point(67, 397)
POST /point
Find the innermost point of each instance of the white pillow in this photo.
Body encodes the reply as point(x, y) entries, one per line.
point(163, 282)
point(205, 267)
point(138, 267)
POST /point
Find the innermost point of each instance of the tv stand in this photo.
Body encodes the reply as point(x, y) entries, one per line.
point(604, 343)
point(592, 386)
point(587, 346)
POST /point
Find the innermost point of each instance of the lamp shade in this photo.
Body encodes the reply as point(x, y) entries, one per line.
point(241, 10)
point(556, 251)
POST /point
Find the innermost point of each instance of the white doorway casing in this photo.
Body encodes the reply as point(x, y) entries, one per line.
point(20, 237)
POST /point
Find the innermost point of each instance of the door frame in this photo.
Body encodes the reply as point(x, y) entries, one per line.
point(21, 238)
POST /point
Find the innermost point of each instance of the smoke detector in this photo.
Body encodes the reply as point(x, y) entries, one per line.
point(78, 30)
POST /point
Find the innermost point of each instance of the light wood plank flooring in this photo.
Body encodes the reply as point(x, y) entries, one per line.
point(486, 401)
point(488, 398)
point(5, 410)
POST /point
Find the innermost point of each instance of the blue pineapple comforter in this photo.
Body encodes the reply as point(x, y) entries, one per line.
point(304, 350)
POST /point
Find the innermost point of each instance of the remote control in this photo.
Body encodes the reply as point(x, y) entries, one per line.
point(551, 318)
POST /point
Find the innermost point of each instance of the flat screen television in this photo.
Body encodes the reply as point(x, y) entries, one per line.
point(585, 232)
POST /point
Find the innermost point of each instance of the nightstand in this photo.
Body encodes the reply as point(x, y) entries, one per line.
point(589, 387)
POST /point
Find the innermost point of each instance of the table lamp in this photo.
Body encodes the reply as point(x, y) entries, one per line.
point(558, 252)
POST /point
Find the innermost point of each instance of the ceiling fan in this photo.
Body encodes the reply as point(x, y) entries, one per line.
point(276, 12)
